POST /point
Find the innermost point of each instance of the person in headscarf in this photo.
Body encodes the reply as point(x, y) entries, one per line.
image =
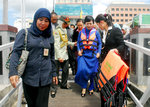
point(40, 69)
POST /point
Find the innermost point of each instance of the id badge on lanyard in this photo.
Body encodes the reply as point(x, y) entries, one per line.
point(46, 52)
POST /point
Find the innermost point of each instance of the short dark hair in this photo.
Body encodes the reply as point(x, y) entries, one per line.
point(88, 19)
point(53, 13)
point(72, 25)
point(106, 17)
point(79, 20)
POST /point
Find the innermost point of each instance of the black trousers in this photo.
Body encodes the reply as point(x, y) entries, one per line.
point(72, 59)
point(65, 71)
point(36, 96)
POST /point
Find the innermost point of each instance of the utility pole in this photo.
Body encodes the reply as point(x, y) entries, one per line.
point(23, 16)
point(53, 5)
point(5, 11)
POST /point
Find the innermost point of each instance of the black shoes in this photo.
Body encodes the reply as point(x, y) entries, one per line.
point(53, 94)
point(83, 93)
point(91, 92)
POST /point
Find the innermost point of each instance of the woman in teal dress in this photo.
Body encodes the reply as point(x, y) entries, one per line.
point(89, 49)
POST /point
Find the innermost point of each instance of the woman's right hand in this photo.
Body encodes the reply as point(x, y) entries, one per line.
point(61, 60)
point(80, 52)
point(14, 80)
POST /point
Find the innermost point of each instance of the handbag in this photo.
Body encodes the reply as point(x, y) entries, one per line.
point(23, 58)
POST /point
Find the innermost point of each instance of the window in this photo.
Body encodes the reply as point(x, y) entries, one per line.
point(121, 20)
point(130, 9)
point(139, 9)
point(113, 20)
point(112, 9)
point(88, 0)
point(117, 14)
point(121, 9)
point(126, 20)
point(130, 15)
point(126, 15)
point(126, 9)
point(143, 9)
point(117, 20)
point(121, 15)
point(117, 9)
point(113, 14)
point(135, 9)
point(1, 59)
point(148, 9)
point(134, 14)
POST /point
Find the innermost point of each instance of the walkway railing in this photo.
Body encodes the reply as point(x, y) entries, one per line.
point(139, 103)
point(146, 95)
point(19, 85)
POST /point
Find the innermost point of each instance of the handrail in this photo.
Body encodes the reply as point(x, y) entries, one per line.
point(146, 95)
point(137, 102)
point(6, 97)
point(138, 47)
point(6, 46)
point(19, 85)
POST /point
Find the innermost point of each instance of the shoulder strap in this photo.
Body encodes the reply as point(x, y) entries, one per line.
point(25, 40)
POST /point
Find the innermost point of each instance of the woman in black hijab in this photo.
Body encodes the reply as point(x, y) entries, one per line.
point(40, 68)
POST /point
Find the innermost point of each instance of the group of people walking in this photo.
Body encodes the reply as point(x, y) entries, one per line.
point(83, 48)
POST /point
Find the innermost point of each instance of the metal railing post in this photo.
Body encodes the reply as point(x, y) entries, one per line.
point(145, 96)
point(20, 91)
point(137, 102)
point(6, 97)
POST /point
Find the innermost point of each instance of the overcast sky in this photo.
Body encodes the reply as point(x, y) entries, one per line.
point(14, 7)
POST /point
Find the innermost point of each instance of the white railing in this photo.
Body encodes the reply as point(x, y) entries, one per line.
point(146, 95)
point(7, 96)
point(139, 103)
point(19, 85)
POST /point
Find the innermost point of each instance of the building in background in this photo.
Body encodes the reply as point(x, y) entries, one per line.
point(18, 23)
point(123, 12)
point(74, 9)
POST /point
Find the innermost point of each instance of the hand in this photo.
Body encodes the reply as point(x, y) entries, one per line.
point(115, 50)
point(80, 52)
point(71, 47)
point(75, 44)
point(14, 80)
point(97, 55)
point(61, 60)
point(55, 80)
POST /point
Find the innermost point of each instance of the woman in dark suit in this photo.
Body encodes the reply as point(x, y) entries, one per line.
point(112, 38)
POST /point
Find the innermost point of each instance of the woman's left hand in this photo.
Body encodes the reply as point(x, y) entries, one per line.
point(55, 80)
point(97, 55)
point(115, 50)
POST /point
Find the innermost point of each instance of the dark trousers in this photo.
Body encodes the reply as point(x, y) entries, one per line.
point(102, 100)
point(65, 71)
point(36, 96)
point(72, 59)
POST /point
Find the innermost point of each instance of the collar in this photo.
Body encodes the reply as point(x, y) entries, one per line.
point(109, 28)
